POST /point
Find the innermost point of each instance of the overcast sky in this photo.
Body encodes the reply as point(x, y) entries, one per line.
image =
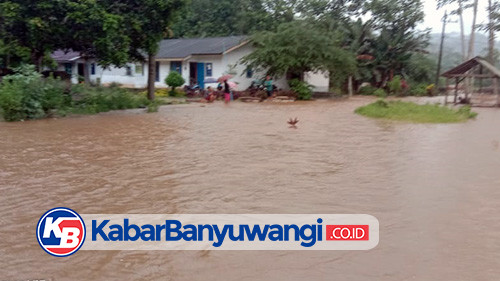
point(433, 17)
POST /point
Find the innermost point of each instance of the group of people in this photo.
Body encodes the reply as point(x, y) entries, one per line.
point(211, 95)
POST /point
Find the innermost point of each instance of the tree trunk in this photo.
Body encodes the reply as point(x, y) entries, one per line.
point(491, 39)
point(473, 32)
point(36, 60)
point(86, 74)
point(349, 86)
point(462, 30)
point(151, 76)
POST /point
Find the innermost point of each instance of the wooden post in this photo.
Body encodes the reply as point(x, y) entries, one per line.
point(456, 91)
point(480, 79)
point(349, 86)
point(446, 91)
point(495, 90)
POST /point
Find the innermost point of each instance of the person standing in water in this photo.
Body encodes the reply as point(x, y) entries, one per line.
point(227, 92)
point(268, 84)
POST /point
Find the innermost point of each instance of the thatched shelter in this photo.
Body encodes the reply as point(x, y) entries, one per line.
point(475, 90)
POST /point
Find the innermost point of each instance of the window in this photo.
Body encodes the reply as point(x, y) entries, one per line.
point(176, 66)
point(128, 70)
point(249, 72)
point(157, 78)
point(92, 69)
point(209, 69)
point(68, 67)
point(139, 68)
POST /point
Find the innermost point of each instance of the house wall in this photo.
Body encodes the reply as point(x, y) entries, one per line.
point(222, 64)
point(320, 80)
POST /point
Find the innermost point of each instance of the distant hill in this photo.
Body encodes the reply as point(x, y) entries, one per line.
point(453, 47)
point(452, 43)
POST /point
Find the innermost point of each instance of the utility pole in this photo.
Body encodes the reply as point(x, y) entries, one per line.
point(440, 59)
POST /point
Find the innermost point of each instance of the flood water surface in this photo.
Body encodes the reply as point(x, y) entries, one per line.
point(434, 188)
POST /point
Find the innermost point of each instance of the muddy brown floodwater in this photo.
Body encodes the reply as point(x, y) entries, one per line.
point(434, 188)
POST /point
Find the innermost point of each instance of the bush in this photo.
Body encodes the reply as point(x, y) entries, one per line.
point(174, 79)
point(394, 85)
point(302, 89)
point(153, 107)
point(367, 91)
point(381, 93)
point(26, 95)
point(92, 100)
point(418, 90)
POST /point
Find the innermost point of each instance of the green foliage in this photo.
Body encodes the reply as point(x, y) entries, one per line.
point(153, 107)
point(418, 90)
point(395, 37)
point(381, 93)
point(412, 112)
point(466, 110)
point(421, 68)
point(302, 89)
point(367, 90)
point(394, 85)
point(297, 47)
point(174, 80)
point(372, 91)
point(91, 100)
point(26, 95)
point(205, 18)
point(96, 32)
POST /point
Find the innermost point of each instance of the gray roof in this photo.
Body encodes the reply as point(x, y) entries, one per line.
point(65, 56)
point(181, 48)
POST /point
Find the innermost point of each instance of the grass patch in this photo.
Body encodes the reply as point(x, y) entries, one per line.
point(412, 112)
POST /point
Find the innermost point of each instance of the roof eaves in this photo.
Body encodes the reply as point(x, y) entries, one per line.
point(236, 47)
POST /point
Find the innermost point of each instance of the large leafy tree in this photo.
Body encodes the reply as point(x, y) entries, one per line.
point(34, 25)
point(205, 18)
point(395, 23)
point(95, 32)
point(332, 14)
point(298, 47)
point(146, 23)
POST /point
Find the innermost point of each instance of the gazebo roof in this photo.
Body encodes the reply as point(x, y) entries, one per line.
point(461, 70)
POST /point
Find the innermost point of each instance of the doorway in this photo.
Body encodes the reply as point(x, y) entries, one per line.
point(197, 74)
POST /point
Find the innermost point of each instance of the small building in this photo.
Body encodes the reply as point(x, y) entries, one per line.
point(475, 81)
point(198, 60)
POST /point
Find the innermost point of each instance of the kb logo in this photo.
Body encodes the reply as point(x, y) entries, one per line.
point(61, 232)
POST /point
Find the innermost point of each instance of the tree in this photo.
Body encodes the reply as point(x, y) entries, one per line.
point(96, 33)
point(331, 14)
point(174, 79)
point(298, 47)
point(208, 18)
point(473, 32)
point(146, 23)
point(462, 5)
point(10, 49)
point(34, 25)
point(492, 26)
point(398, 38)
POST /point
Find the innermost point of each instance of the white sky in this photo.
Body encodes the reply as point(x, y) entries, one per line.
point(433, 17)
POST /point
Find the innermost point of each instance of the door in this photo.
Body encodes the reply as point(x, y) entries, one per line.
point(193, 77)
point(80, 69)
point(201, 75)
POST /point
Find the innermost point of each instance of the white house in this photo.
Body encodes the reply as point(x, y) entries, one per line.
point(198, 60)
